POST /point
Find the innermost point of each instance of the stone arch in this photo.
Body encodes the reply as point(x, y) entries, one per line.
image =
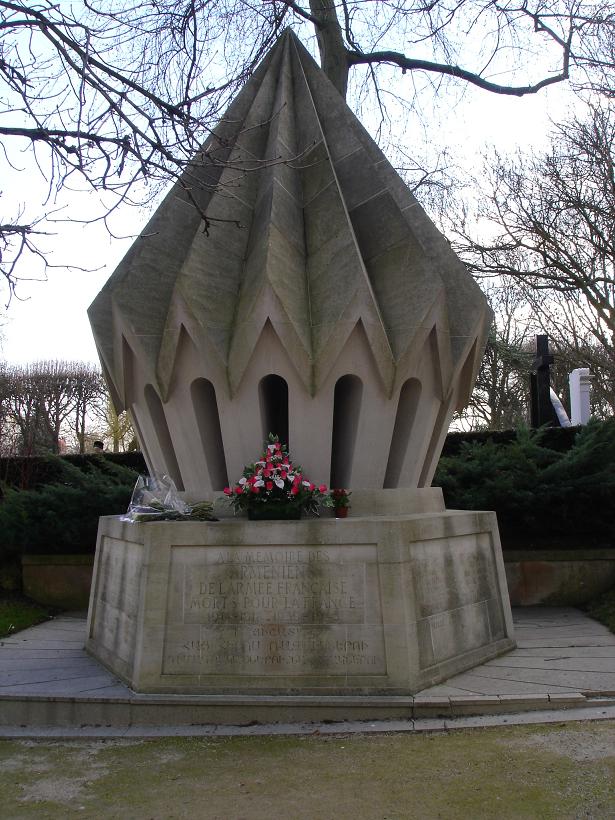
point(205, 405)
point(409, 397)
point(273, 404)
point(347, 398)
point(161, 428)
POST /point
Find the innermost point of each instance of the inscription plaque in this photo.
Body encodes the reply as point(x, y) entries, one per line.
point(274, 611)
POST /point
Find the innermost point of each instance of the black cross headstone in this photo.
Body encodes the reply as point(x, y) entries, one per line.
point(541, 408)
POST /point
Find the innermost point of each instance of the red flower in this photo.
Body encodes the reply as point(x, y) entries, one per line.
point(283, 474)
point(323, 488)
point(294, 489)
point(312, 487)
point(228, 491)
point(269, 485)
point(256, 489)
point(238, 490)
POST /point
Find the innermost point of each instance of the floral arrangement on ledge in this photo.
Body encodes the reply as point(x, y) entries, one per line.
point(340, 498)
point(274, 487)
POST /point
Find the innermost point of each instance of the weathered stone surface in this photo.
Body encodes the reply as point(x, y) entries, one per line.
point(372, 604)
point(323, 265)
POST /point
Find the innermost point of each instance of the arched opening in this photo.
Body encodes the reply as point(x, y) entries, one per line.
point(205, 406)
point(346, 411)
point(273, 401)
point(409, 396)
point(161, 428)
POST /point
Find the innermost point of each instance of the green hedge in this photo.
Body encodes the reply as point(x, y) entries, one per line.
point(543, 496)
point(62, 516)
point(554, 438)
point(32, 472)
point(549, 487)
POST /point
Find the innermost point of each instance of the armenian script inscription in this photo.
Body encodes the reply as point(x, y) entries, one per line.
point(274, 610)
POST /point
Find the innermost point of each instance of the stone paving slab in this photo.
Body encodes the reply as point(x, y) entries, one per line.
point(566, 663)
point(473, 684)
point(554, 651)
point(44, 670)
point(579, 652)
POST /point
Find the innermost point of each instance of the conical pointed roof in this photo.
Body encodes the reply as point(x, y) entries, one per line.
point(311, 229)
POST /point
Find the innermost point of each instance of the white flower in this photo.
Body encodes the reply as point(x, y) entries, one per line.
point(259, 483)
point(271, 447)
point(306, 483)
point(290, 476)
point(279, 483)
point(242, 481)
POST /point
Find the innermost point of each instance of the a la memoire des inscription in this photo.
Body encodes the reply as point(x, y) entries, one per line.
point(274, 611)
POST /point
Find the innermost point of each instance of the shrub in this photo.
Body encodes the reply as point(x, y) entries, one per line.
point(554, 438)
point(31, 472)
point(540, 494)
point(62, 517)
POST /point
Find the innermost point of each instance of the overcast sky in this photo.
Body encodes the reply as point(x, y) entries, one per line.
point(48, 320)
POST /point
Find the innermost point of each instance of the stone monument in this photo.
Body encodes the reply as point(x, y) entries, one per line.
point(307, 294)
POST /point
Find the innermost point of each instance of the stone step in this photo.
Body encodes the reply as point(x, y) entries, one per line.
point(244, 710)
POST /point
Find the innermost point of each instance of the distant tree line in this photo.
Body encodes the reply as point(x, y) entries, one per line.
point(55, 407)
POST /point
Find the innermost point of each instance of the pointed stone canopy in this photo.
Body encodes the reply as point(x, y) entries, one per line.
point(328, 232)
point(314, 241)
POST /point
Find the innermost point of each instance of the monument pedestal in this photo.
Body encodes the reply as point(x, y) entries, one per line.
point(374, 604)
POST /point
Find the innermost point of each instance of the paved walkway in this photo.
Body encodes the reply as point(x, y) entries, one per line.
point(558, 650)
point(563, 660)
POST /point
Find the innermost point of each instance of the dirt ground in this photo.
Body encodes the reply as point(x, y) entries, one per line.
point(556, 771)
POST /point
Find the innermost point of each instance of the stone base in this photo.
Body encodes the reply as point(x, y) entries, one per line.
point(380, 604)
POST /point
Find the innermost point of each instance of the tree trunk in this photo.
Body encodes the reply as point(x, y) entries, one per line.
point(333, 54)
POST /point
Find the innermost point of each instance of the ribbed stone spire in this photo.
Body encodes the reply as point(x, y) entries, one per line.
point(312, 234)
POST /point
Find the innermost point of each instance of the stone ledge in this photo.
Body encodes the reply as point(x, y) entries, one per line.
point(150, 711)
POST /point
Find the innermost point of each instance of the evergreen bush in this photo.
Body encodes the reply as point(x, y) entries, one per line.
point(549, 489)
point(542, 496)
point(31, 472)
point(62, 516)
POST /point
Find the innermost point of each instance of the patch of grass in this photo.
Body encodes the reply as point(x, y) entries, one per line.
point(603, 609)
point(561, 772)
point(17, 612)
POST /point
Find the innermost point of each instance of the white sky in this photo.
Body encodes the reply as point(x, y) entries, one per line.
point(49, 319)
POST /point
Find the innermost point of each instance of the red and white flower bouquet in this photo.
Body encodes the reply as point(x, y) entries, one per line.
point(274, 487)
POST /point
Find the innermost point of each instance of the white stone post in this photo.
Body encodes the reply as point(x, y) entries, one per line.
point(580, 383)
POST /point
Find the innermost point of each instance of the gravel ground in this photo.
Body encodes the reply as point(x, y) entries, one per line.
point(560, 771)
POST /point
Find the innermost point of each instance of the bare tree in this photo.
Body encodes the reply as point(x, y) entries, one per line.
point(121, 95)
point(89, 395)
point(24, 412)
point(569, 325)
point(41, 403)
point(114, 429)
point(500, 397)
point(550, 225)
